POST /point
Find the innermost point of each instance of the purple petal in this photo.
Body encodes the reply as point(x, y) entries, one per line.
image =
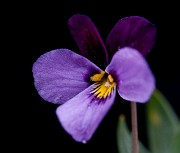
point(81, 115)
point(133, 76)
point(135, 32)
point(61, 74)
point(88, 39)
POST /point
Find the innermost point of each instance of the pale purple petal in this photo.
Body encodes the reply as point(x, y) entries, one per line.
point(81, 115)
point(88, 39)
point(61, 74)
point(134, 78)
point(135, 32)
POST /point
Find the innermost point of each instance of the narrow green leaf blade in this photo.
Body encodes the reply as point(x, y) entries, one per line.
point(124, 138)
point(161, 123)
point(176, 141)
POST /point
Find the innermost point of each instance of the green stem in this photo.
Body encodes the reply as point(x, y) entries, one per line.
point(135, 147)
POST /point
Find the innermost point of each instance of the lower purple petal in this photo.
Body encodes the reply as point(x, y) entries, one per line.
point(81, 115)
point(133, 76)
point(61, 74)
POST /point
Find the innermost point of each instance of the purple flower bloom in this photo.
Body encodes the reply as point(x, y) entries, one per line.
point(86, 86)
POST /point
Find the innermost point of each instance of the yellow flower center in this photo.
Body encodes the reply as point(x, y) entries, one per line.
point(104, 85)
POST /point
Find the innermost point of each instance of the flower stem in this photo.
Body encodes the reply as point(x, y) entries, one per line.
point(135, 147)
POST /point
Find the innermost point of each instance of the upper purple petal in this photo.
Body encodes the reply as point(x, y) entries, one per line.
point(61, 74)
point(133, 76)
point(81, 115)
point(135, 32)
point(88, 39)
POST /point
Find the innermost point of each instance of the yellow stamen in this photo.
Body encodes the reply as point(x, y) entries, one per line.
point(110, 78)
point(97, 77)
point(104, 85)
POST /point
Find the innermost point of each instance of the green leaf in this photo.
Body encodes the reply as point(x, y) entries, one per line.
point(124, 138)
point(162, 123)
point(176, 141)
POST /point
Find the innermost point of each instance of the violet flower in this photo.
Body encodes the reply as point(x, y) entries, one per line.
point(86, 86)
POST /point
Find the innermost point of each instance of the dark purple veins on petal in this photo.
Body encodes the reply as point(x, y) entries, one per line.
point(88, 39)
point(81, 115)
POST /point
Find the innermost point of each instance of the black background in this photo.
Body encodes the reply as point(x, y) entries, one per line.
point(43, 27)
